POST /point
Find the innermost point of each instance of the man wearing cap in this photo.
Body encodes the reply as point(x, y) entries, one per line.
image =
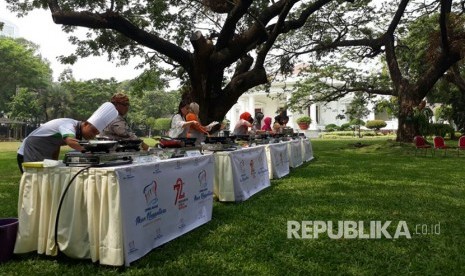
point(119, 129)
point(45, 141)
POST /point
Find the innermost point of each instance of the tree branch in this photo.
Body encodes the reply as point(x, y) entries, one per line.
point(261, 55)
point(446, 6)
point(114, 21)
point(229, 26)
point(374, 43)
point(455, 77)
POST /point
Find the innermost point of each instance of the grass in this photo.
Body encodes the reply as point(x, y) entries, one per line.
point(380, 181)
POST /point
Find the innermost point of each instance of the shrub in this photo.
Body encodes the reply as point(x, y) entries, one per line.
point(387, 131)
point(331, 127)
point(345, 126)
point(162, 124)
point(357, 122)
point(375, 124)
point(304, 119)
point(440, 129)
point(338, 133)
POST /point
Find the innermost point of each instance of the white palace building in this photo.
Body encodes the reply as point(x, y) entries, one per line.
point(321, 114)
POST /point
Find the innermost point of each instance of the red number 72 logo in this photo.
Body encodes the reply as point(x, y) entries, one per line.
point(179, 193)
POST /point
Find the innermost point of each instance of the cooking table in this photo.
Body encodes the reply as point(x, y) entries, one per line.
point(114, 215)
point(307, 150)
point(278, 159)
point(295, 153)
point(241, 173)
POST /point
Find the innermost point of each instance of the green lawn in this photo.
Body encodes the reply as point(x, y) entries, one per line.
point(381, 181)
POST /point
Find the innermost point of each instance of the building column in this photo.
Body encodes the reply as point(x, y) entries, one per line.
point(314, 123)
point(251, 105)
point(291, 123)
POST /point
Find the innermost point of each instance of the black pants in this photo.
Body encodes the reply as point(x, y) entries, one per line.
point(20, 160)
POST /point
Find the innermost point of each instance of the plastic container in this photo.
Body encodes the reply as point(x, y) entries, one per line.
point(8, 231)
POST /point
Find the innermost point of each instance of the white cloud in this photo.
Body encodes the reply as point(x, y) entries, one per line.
point(39, 28)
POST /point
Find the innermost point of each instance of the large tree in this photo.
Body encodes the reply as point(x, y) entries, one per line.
point(220, 47)
point(450, 93)
point(86, 96)
point(442, 46)
point(20, 67)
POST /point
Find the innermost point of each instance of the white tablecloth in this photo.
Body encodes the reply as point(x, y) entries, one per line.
point(307, 150)
point(295, 153)
point(101, 202)
point(278, 159)
point(240, 174)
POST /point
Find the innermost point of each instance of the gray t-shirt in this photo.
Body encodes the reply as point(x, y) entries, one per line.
point(119, 129)
point(46, 140)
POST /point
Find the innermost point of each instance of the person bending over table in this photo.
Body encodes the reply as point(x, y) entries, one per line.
point(119, 128)
point(280, 121)
point(242, 126)
point(45, 141)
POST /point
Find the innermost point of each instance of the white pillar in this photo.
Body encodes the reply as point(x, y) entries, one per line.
point(314, 123)
point(251, 106)
point(291, 122)
point(244, 104)
point(231, 116)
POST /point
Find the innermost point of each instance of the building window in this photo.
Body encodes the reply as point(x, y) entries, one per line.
point(317, 114)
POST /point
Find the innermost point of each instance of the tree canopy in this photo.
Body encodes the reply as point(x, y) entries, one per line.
point(417, 41)
point(223, 48)
point(220, 48)
point(20, 67)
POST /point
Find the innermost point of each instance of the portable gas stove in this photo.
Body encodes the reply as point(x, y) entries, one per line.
point(225, 143)
point(79, 159)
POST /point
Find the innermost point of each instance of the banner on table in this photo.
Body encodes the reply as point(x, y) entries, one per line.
point(278, 160)
point(295, 153)
point(307, 150)
point(250, 172)
point(163, 200)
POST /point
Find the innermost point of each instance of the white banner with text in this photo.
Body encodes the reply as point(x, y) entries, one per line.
point(164, 200)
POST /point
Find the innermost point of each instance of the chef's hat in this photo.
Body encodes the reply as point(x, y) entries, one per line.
point(103, 116)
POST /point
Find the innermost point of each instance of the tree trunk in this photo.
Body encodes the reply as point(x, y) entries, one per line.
point(206, 79)
point(407, 128)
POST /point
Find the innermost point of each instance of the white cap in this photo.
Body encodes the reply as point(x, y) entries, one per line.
point(103, 116)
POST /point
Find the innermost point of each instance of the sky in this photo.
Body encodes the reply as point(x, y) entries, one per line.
point(39, 28)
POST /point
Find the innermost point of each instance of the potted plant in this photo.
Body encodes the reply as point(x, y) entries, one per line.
point(304, 122)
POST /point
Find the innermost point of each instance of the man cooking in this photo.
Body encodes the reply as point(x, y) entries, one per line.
point(119, 129)
point(45, 141)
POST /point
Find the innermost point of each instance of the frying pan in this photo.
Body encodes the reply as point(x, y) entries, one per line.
point(124, 145)
point(98, 146)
